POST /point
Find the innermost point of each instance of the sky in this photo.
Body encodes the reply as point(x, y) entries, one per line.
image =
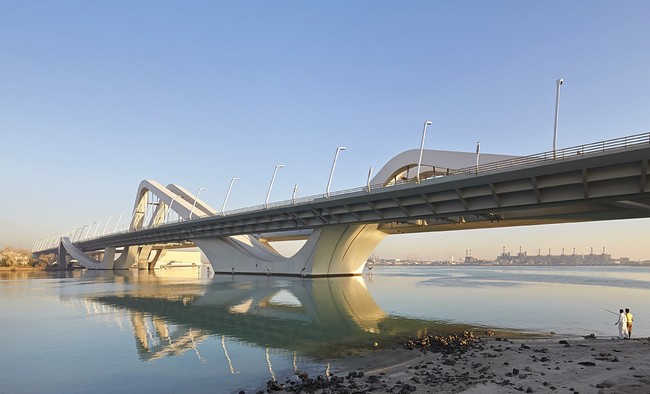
point(97, 96)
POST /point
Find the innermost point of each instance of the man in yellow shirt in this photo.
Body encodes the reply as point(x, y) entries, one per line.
point(630, 318)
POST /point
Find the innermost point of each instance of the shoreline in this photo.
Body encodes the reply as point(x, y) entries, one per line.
point(18, 268)
point(492, 365)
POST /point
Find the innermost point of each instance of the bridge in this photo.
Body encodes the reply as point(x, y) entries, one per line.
point(604, 180)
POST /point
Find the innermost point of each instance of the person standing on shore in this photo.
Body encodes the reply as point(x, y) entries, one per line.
point(630, 319)
point(622, 324)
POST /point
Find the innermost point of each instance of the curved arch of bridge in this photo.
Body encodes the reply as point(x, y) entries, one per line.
point(107, 262)
point(329, 251)
point(403, 167)
point(181, 201)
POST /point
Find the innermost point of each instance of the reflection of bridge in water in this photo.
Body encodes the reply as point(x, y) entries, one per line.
point(315, 318)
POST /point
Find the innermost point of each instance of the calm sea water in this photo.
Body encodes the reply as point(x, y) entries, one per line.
point(168, 332)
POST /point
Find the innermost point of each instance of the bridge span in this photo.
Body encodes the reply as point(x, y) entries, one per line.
point(605, 180)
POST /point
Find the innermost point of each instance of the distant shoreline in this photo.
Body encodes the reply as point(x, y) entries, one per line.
point(502, 265)
point(19, 268)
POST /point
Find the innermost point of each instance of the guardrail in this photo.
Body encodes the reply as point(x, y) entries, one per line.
point(561, 154)
point(538, 158)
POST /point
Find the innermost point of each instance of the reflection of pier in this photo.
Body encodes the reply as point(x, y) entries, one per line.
point(160, 342)
point(154, 337)
point(311, 317)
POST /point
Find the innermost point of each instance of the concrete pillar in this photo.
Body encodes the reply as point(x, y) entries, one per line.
point(143, 257)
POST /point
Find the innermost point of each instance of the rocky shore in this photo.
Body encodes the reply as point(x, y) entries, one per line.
point(465, 363)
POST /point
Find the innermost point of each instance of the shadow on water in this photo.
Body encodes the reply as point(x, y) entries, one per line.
point(313, 317)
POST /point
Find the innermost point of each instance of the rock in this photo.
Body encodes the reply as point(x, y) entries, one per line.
point(515, 371)
point(406, 388)
point(605, 384)
point(524, 346)
point(529, 390)
point(563, 342)
point(272, 385)
point(590, 336)
point(587, 363)
point(373, 379)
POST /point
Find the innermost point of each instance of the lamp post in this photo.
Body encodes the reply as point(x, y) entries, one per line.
point(369, 176)
point(329, 182)
point(195, 199)
point(97, 228)
point(424, 134)
point(75, 234)
point(478, 153)
point(268, 194)
point(118, 221)
point(106, 226)
point(559, 83)
point(169, 210)
point(82, 232)
point(225, 200)
point(293, 195)
point(90, 229)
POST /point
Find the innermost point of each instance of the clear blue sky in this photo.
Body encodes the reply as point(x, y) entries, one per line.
point(97, 95)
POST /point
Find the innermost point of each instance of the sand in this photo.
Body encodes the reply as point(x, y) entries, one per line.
point(496, 365)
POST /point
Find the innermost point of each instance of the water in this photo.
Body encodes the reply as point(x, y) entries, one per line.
point(106, 331)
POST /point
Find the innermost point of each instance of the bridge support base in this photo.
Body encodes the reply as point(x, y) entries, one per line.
point(338, 250)
point(67, 248)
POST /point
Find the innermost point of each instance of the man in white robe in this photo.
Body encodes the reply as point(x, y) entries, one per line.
point(622, 325)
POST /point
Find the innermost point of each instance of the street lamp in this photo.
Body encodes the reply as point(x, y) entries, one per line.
point(559, 83)
point(293, 195)
point(329, 182)
point(97, 228)
point(195, 199)
point(82, 232)
point(75, 234)
point(225, 200)
point(169, 210)
point(478, 153)
point(268, 194)
point(106, 226)
point(118, 221)
point(90, 229)
point(424, 134)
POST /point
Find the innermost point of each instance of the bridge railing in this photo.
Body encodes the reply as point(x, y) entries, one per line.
point(538, 158)
point(559, 154)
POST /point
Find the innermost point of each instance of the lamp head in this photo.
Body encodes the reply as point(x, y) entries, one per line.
point(428, 123)
point(342, 148)
point(560, 81)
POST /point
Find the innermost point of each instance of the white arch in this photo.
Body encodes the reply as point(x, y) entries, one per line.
point(434, 162)
point(182, 203)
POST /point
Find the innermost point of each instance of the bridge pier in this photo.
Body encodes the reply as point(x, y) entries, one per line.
point(337, 250)
point(107, 262)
